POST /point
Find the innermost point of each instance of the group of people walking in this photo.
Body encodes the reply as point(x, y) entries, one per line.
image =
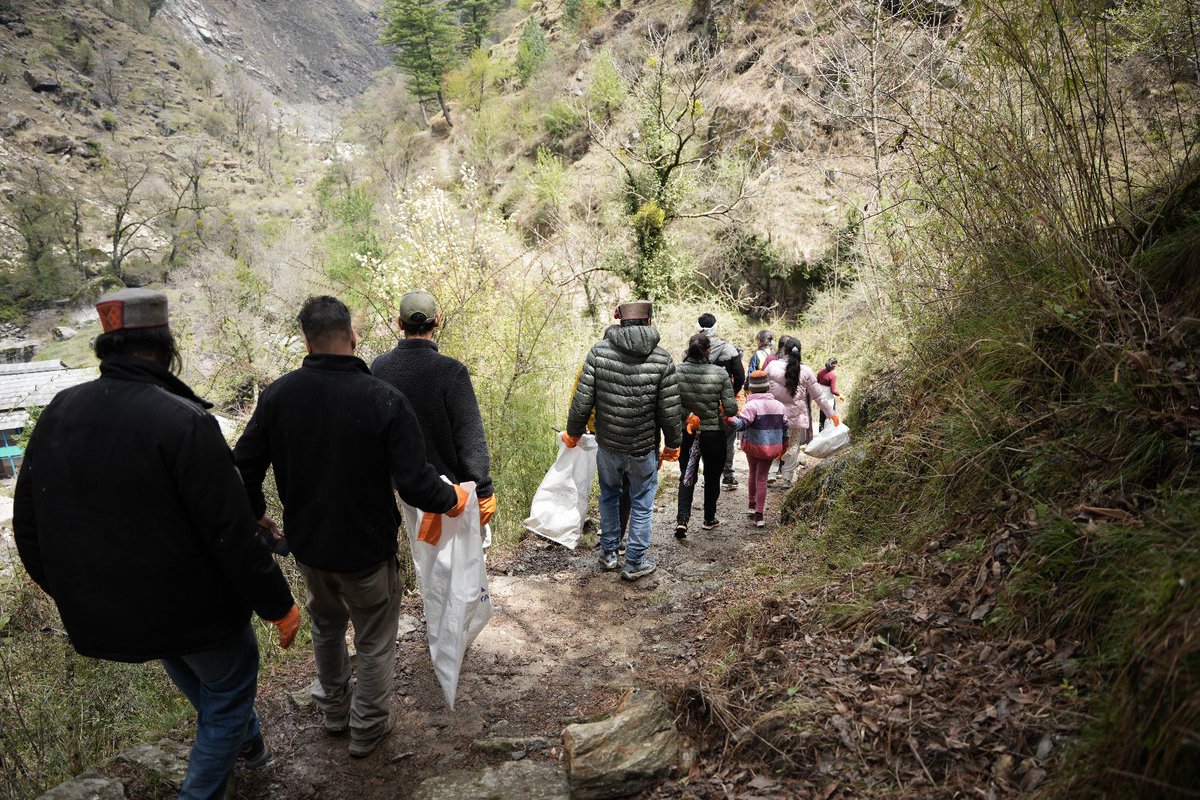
point(633, 395)
point(154, 542)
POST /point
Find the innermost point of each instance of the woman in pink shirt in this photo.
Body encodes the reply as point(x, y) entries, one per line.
point(793, 383)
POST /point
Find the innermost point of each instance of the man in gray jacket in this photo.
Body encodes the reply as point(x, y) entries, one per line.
point(629, 381)
point(728, 357)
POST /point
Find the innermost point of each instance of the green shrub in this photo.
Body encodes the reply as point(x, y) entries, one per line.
point(532, 49)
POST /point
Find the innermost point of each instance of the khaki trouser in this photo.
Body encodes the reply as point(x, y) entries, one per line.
point(371, 600)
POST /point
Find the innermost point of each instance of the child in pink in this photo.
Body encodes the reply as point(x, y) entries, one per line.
point(763, 423)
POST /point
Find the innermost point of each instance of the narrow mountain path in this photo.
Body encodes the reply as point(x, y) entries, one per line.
point(566, 641)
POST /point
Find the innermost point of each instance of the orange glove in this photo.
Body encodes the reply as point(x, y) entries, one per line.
point(568, 440)
point(693, 423)
point(668, 454)
point(836, 420)
point(288, 627)
point(487, 509)
point(431, 524)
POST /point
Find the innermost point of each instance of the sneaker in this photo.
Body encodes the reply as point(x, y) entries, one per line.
point(681, 531)
point(772, 479)
point(729, 480)
point(255, 752)
point(621, 547)
point(635, 570)
point(759, 522)
point(361, 748)
point(782, 484)
point(608, 560)
point(751, 513)
point(709, 524)
point(337, 726)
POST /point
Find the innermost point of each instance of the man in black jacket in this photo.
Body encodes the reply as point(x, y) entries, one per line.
point(130, 514)
point(339, 440)
point(439, 388)
point(728, 357)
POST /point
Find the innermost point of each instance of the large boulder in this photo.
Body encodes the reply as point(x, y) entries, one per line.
point(528, 780)
point(633, 749)
point(41, 82)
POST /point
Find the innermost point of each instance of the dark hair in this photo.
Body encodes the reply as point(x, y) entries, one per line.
point(764, 336)
point(157, 343)
point(831, 363)
point(698, 347)
point(707, 320)
point(419, 328)
point(789, 347)
point(324, 315)
point(633, 323)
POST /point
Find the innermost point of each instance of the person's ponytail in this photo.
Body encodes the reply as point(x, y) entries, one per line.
point(698, 348)
point(790, 347)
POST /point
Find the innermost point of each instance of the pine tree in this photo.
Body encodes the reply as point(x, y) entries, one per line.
point(475, 16)
point(531, 49)
point(425, 33)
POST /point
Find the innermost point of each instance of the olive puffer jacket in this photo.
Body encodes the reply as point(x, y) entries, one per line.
point(630, 383)
point(706, 391)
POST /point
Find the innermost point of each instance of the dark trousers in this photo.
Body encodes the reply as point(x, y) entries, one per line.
point(712, 458)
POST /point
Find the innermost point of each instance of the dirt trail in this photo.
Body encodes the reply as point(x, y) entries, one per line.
point(565, 643)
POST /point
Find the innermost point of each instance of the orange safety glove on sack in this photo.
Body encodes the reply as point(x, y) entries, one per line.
point(288, 627)
point(431, 524)
point(668, 454)
point(693, 423)
point(487, 509)
point(568, 440)
point(836, 420)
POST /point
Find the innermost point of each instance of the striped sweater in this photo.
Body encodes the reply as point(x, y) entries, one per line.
point(763, 423)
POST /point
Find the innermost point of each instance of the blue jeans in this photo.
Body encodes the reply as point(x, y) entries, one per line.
point(642, 473)
point(220, 684)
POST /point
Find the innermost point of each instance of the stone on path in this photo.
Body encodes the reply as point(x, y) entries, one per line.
point(506, 745)
point(528, 780)
point(163, 763)
point(635, 748)
point(92, 788)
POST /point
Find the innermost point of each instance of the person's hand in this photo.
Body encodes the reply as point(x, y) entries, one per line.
point(693, 423)
point(431, 524)
point(668, 454)
point(278, 540)
point(836, 420)
point(569, 440)
point(487, 509)
point(288, 627)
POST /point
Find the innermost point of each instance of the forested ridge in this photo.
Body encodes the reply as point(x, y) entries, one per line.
point(985, 210)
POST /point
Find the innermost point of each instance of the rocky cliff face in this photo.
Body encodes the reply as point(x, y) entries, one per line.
point(302, 51)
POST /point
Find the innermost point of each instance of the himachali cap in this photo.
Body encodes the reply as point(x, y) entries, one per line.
point(132, 309)
point(418, 307)
point(758, 381)
point(640, 309)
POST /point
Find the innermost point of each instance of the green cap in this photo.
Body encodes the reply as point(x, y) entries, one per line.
point(418, 307)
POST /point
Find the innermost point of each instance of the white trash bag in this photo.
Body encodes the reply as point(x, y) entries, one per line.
point(560, 504)
point(831, 439)
point(452, 576)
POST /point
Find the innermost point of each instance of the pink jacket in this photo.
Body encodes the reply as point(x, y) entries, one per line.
point(796, 407)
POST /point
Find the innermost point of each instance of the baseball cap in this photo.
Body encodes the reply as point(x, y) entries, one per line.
point(418, 307)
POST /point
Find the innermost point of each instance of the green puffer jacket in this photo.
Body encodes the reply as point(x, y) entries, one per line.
point(706, 391)
point(630, 382)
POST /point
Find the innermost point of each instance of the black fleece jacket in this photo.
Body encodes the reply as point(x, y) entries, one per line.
point(130, 514)
point(338, 439)
point(443, 399)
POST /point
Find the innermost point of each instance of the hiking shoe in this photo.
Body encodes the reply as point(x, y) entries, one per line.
point(759, 522)
point(635, 570)
point(608, 560)
point(782, 484)
point(729, 480)
point(681, 531)
point(772, 479)
point(709, 524)
point(255, 752)
point(361, 748)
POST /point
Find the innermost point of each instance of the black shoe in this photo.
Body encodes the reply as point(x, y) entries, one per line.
point(729, 480)
point(255, 752)
point(681, 531)
point(709, 524)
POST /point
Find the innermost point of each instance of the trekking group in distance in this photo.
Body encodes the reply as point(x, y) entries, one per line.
point(630, 393)
point(154, 541)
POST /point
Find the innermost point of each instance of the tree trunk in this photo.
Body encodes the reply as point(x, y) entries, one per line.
point(445, 111)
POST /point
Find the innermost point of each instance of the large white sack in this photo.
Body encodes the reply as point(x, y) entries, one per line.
point(452, 576)
point(560, 503)
point(831, 439)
